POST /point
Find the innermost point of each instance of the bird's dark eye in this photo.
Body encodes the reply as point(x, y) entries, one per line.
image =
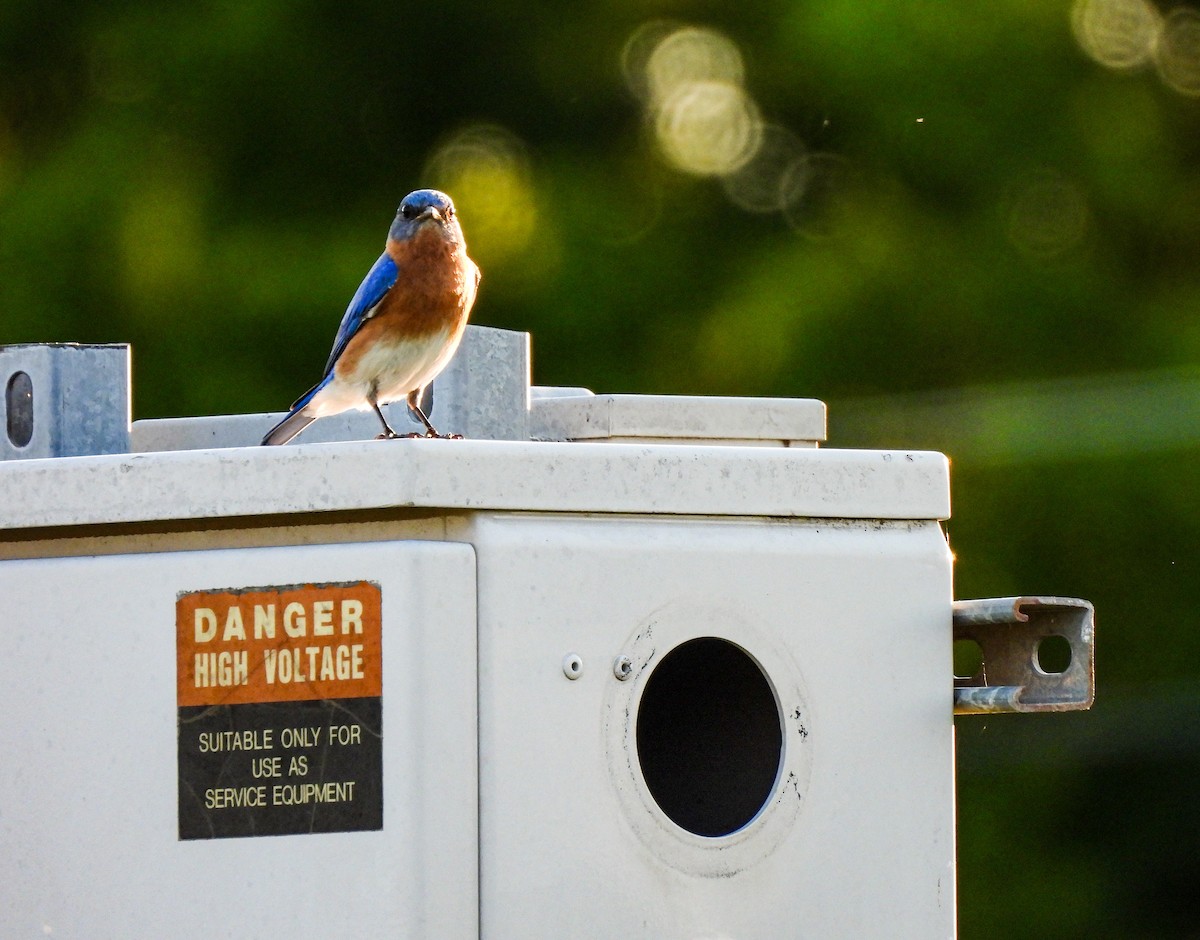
point(409, 212)
point(450, 212)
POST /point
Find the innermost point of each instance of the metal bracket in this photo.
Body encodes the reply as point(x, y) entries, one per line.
point(1010, 632)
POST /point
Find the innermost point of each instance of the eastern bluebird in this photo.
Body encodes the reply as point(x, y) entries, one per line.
point(403, 324)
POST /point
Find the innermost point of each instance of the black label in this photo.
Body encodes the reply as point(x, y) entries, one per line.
point(280, 768)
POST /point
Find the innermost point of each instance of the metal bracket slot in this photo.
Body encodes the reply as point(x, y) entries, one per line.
point(1011, 633)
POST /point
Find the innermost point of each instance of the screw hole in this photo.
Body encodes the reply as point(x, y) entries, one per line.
point(1054, 654)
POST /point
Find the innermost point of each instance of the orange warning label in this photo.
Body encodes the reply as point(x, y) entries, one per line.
point(279, 644)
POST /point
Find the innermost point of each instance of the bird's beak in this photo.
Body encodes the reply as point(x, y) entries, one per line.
point(431, 212)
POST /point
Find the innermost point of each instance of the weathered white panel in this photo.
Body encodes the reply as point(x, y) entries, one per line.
point(850, 623)
point(88, 760)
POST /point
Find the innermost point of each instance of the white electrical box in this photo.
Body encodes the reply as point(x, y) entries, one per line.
point(644, 680)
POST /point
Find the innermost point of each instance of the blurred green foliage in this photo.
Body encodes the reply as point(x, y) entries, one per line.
point(995, 207)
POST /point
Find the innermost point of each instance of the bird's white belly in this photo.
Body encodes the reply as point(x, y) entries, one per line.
point(391, 368)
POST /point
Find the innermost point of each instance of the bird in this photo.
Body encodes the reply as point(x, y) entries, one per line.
point(403, 324)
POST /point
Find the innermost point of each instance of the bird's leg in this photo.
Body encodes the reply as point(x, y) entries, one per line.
point(414, 406)
point(388, 434)
point(414, 398)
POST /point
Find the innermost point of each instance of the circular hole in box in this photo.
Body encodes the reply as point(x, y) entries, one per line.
point(709, 736)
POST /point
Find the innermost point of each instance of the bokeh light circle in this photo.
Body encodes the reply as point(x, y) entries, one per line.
point(689, 56)
point(1177, 53)
point(1119, 34)
point(1048, 214)
point(485, 170)
point(764, 182)
point(636, 53)
point(812, 189)
point(709, 128)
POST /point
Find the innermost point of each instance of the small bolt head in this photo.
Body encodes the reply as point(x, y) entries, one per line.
point(572, 666)
point(623, 667)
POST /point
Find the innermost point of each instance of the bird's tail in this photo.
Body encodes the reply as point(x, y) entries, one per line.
point(289, 427)
point(297, 420)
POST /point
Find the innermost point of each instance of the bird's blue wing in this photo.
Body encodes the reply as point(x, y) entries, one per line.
point(379, 281)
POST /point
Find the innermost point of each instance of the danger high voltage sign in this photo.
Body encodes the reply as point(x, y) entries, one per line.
point(280, 710)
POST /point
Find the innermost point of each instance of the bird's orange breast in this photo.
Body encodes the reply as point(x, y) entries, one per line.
point(432, 295)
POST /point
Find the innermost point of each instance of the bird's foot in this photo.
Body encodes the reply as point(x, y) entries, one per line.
point(413, 435)
point(393, 436)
